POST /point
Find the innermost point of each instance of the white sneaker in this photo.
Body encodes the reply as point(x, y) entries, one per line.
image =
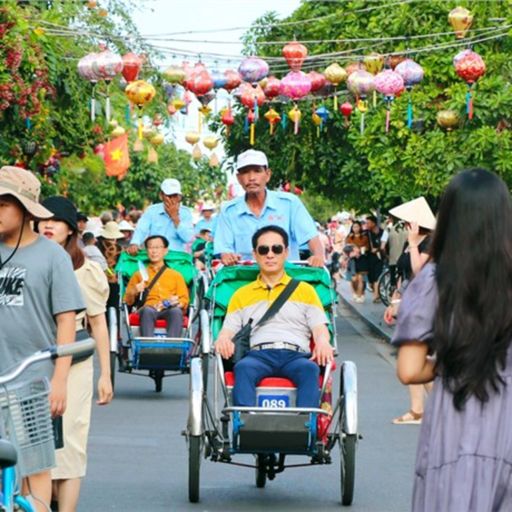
point(360, 299)
point(354, 297)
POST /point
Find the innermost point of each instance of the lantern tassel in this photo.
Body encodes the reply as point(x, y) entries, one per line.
point(107, 103)
point(127, 114)
point(361, 126)
point(335, 103)
point(284, 121)
point(139, 128)
point(28, 123)
point(246, 125)
point(271, 128)
point(409, 114)
point(469, 103)
point(252, 135)
point(256, 110)
point(388, 116)
point(296, 125)
point(374, 98)
point(93, 103)
point(318, 131)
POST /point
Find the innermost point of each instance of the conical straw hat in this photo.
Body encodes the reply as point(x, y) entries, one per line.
point(417, 211)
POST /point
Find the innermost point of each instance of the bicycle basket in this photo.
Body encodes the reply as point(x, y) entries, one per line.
point(25, 416)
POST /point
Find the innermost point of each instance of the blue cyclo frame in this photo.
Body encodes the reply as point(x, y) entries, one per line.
point(8, 496)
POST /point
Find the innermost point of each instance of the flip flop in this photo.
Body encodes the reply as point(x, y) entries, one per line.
point(409, 418)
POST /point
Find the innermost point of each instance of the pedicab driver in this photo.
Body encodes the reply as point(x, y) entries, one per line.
point(242, 216)
point(280, 347)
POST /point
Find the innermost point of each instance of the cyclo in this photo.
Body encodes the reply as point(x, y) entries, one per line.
point(157, 356)
point(274, 428)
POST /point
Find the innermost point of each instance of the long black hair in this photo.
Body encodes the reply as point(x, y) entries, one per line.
point(472, 247)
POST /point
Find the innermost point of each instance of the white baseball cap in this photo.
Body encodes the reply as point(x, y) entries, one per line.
point(170, 186)
point(251, 157)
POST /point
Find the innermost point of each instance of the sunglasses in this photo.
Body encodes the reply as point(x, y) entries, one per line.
point(263, 250)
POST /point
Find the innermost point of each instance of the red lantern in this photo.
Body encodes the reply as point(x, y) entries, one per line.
point(317, 80)
point(131, 66)
point(227, 119)
point(200, 82)
point(251, 96)
point(272, 87)
point(233, 79)
point(346, 110)
point(470, 67)
point(295, 53)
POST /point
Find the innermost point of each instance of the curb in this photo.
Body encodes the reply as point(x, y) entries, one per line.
point(374, 326)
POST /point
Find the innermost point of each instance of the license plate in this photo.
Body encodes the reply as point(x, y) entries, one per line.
point(274, 401)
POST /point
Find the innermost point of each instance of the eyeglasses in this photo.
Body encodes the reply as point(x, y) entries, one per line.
point(263, 250)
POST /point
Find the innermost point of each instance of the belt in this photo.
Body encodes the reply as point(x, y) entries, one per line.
point(278, 345)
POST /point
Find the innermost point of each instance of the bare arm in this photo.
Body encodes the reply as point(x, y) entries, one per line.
point(418, 259)
point(99, 330)
point(413, 366)
point(323, 352)
point(317, 258)
point(65, 334)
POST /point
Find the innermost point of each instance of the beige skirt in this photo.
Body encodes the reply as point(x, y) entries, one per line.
point(72, 458)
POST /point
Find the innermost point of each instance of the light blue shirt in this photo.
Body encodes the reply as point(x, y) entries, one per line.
point(236, 224)
point(156, 221)
point(202, 223)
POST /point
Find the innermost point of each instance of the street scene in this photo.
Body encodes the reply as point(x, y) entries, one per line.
point(255, 255)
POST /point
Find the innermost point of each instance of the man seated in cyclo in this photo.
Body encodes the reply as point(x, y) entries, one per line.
point(281, 346)
point(164, 292)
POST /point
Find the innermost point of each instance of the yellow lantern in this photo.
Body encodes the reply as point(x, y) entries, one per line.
point(178, 103)
point(148, 132)
point(157, 139)
point(192, 137)
point(448, 119)
point(196, 153)
point(374, 62)
point(210, 142)
point(273, 118)
point(460, 19)
point(295, 115)
point(175, 74)
point(139, 93)
point(335, 74)
point(118, 131)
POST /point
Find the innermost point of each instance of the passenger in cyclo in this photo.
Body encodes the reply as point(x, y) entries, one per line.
point(259, 207)
point(281, 346)
point(169, 218)
point(163, 294)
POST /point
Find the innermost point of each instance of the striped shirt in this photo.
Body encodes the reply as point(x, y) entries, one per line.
point(293, 323)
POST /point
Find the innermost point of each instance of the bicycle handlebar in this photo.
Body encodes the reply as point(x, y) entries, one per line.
point(79, 348)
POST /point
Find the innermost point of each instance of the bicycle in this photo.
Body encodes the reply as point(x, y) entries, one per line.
point(386, 286)
point(25, 414)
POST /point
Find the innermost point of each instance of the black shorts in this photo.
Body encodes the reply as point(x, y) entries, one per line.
point(374, 268)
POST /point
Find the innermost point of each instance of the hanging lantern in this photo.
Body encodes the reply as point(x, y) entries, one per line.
point(192, 137)
point(323, 113)
point(335, 74)
point(214, 160)
point(295, 115)
point(295, 85)
point(389, 83)
point(353, 67)
point(317, 121)
point(295, 53)
point(460, 19)
point(140, 93)
point(253, 69)
point(273, 118)
point(200, 82)
point(210, 142)
point(346, 110)
point(175, 75)
point(171, 109)
point(448, 119)
point(227, 120)
point(233, 80)
point(132, 65)
point(272, 86)
point(374, 62)
point(394, 60)
point(107, 65)
point(86, 71)
point(196, 153)
point(317, 80)
point(412, 74)
point(252, 97)
point(360, 84)
point(178, 103)
point(117, 131)
point(470, 67)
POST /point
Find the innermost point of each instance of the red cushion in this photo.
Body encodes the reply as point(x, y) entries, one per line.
point(267, 382)
point(134, 320)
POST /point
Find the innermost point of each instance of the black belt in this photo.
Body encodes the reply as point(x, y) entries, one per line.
point(278, 345)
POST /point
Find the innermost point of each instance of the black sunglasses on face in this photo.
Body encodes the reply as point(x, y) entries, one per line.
point(263, 250)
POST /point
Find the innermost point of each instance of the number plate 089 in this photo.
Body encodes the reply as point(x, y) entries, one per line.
point(274, 401)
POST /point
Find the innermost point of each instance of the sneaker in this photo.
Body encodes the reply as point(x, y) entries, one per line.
point(354, 297)
point(360, 300)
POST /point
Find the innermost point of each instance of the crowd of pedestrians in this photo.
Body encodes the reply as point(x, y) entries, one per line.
point(450, 305)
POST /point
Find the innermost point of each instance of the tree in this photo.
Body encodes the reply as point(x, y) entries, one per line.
point(376, 168)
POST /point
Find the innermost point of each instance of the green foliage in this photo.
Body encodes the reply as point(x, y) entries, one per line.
point(378, 168)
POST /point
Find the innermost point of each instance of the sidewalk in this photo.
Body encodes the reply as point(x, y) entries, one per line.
point(370, 313)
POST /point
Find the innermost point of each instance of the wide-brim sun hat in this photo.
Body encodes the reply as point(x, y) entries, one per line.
point(125, 226)
point(417, 211)
point(251, 157)
point(63, 209)
point(25, 187)
point(111, 231)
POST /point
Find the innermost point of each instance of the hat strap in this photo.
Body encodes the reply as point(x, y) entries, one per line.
point(18, 190)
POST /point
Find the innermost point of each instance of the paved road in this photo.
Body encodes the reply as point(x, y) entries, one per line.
point(138, 459)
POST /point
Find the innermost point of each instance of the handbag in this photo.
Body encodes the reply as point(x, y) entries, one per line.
point(142, 299)
point(242, 339)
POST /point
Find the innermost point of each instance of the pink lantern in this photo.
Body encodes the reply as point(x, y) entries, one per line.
point(86, 70)
point(200, 81)
point(412, 74)
point(295, 53)
point(361, 83)
point(107, 65)
point(389, 83)
point(253, 69)
point(295, 85)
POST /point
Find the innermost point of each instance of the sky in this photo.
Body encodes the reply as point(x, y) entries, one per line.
point(165, 16)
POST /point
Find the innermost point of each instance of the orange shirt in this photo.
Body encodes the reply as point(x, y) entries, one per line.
point(168, 284)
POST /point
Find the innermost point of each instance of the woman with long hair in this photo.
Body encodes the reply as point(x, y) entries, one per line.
point(361, 245)
point(455, 327)
point(72, 458)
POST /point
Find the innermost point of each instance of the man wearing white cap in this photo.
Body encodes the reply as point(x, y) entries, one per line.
point(207, 220)
point(243, 216)
point(169, 219)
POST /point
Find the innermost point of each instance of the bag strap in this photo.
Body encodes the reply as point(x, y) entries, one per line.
point(152, 283)
point(279, 302)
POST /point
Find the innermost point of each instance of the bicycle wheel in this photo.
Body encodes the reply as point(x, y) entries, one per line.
point(194, 467)
point(261, 473)
point(385, 287)
point(113, 357)
point(348, 468)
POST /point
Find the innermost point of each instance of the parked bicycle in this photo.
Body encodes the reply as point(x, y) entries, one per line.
point(386, 286)
point(25, 420)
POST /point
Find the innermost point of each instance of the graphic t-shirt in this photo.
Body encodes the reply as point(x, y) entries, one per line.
point(35, 285)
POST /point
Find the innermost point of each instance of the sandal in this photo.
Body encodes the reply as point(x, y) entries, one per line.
point(409, 418)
